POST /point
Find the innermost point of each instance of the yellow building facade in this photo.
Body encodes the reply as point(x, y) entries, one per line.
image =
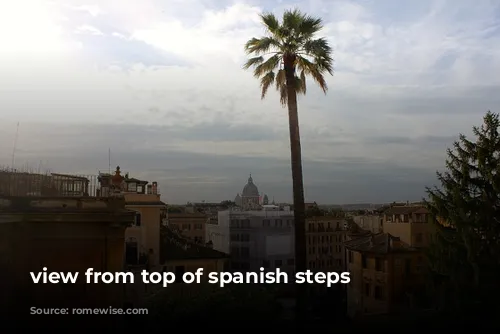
point(142, 238)
point(191, 225)
point(386, 275)
point(410, 223)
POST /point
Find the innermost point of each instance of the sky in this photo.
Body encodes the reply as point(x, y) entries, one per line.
point(160, 83)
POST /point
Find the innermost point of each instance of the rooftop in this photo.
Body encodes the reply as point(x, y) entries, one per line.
point(58, 203)
point(381, 243)
point(175, 247)
point(325, 219)
point(257, 213)
point(146, 203)
point(28, 183)
point(187, 215)
point(405, 210)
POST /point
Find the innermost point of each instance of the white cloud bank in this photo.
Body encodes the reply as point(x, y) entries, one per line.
point(407, 80)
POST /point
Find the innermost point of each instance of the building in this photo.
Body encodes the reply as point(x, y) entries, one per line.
point(180, 255)
point(14, 183)
point(387, 275)
point(143, 237)
point(410, 223)
point(190, 224)
point(250, 198)
point(325, 236)
point(255, 239)
point(63, 234)
point(369, 222)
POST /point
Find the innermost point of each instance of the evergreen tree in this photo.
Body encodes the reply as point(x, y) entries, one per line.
point(466, 209)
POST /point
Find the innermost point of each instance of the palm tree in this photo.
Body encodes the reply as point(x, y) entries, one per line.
point(285, 57)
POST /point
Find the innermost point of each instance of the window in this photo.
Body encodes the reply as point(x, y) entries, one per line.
point(245, 223)
point(244, 237)
point(235, 237)
point(186, 227)
point(132, 187)
point(278, 223)
point(265, 223)
point(407, 267)
point(278, 263)
point(311, 227)
point(235, 251)
point(290, 262)
point(288, 223)
point(131, 251)
point(379, 293)
point(245, 252)
point(418, 267)
point(234, 223)
point(379, 264)
point(419, 237)
point(198, 226)
point(137, 219)
point(367, 289)
point(364, 261)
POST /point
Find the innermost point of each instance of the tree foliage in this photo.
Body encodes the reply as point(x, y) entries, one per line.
point(466, 208)
point(290, 41)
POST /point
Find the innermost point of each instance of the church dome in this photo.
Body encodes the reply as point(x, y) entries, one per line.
point(250, 189)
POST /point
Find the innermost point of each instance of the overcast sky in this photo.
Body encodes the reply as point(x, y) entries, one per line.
point(160, 83)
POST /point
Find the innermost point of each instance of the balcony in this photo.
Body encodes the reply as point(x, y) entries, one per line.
point(15, 183)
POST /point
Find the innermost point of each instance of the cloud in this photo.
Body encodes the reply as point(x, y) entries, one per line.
point(161, 83)
point(86, 29)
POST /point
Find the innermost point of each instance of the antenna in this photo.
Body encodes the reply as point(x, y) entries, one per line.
point(15, 146)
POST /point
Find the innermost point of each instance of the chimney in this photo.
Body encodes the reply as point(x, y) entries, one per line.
point(149, 189)
point(155, 188)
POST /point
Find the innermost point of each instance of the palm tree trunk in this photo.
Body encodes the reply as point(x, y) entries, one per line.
point(298, 189)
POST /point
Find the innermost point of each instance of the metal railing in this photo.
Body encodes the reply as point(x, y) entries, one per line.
point(20, 183)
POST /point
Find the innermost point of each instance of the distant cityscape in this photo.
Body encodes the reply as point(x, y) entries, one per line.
point(243, 235)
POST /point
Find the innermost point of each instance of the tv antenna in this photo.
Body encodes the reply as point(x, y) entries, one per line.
point(15, 146)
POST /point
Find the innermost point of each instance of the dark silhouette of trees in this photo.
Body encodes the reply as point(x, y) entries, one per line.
point(465, 255)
